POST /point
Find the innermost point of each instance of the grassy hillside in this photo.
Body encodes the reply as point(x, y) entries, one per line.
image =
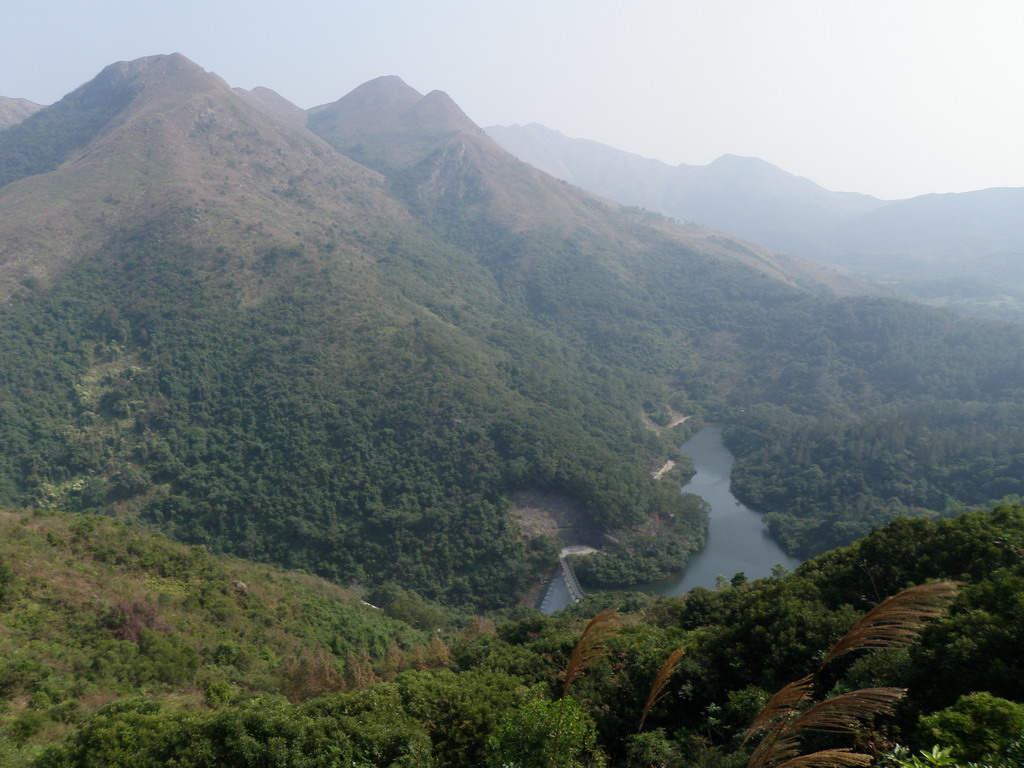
point(166, 660)
point(92, 611)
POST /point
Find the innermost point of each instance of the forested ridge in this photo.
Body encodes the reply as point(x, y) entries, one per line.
point(343, 351)
point(847, 476)
point(257, 344)
point(130, 650)
point(310, 443)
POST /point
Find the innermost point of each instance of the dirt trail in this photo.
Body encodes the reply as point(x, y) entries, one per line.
point(658, 474)
point(675, 421)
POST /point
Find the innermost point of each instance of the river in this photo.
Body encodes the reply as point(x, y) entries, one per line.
point(737, 539)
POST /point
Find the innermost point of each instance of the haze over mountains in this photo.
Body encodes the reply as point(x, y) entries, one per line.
point(964, 251)
point(345, 345)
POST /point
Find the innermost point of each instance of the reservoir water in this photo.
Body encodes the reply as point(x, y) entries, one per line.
point(737, 539)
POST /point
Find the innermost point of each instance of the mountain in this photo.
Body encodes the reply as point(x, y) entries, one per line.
point(400, 124)
point(980, 234)
point(149, 137)
point(743, 196)
point(346, 347)
point(287, 338)
point(13, 111)
point(958, 251)
point(955, 250)
point(275, 105)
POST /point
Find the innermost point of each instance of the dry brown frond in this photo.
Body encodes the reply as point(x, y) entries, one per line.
point(591, 646)
point(829, 758)
point(775, 748)
point(658, 689)
point(846, 712)
point(840, 714)
point(896, 620)
point(783, 704)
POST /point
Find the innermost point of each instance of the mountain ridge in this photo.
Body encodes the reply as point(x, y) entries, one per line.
point(158, 149)
point(943, 249)
point(15, 110)
point(343, 352)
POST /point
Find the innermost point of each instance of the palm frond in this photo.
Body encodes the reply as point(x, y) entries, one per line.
point(658, 688)
point(592, 645)
point(896, 620)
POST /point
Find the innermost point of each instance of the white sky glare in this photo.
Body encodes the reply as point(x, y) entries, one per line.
point(888, 97)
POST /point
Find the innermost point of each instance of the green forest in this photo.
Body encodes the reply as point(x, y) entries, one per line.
point(268, 395)
point(321, 429)
point(352, 373)
point(281, 436)
point(131, 650)
point(849, 476)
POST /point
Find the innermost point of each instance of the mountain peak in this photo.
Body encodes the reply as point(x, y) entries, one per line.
point(733, 162)
point(120, 89)
point(437, 112)
point(145, 64)
point(390, 87)
point(151, 69)
point(14, 111)
point(379, 99)
point(385, 123)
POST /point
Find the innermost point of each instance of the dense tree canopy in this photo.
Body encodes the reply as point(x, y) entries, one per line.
point(482, 694)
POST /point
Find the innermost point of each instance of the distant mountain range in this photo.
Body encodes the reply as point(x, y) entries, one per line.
point(741, 195)
point(343, 339)
point(963, 250)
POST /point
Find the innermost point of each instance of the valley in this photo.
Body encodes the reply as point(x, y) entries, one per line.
point(364, 362)
point(350, 358)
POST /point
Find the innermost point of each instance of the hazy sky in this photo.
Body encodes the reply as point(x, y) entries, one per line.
point(888, 97)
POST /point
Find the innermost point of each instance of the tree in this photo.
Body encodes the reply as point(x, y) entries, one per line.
point(526, 737)
point(790, 714)
point(977, 727)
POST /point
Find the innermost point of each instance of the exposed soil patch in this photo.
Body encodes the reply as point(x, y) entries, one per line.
point(675, 421)
point(576, 549)
point(541, 512)
point(667, 467)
